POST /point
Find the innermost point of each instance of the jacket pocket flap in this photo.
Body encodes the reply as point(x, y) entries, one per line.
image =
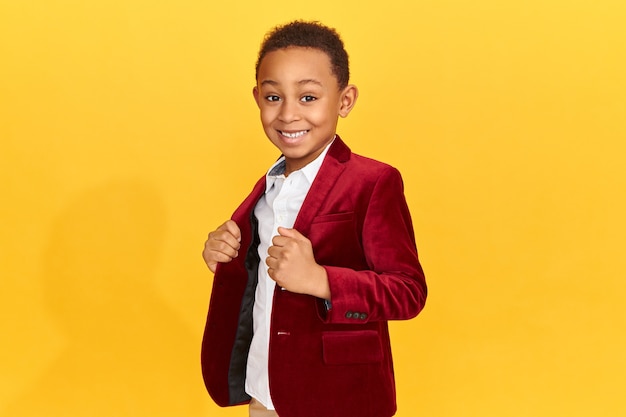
point(334, 217)
point(352, 347)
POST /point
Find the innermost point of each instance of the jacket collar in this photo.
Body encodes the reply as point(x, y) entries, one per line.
point(329, 172)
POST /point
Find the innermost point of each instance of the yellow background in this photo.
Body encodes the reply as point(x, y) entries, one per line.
point(128, 132)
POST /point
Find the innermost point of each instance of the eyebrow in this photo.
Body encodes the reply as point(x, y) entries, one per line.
point(301, 82)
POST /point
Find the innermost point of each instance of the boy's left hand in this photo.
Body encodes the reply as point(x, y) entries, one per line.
point(292, 265)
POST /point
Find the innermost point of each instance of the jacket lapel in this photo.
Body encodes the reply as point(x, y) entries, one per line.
point(329, 172)
point(241, 216)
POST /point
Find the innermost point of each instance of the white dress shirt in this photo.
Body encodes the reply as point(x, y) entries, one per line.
point(279, 206)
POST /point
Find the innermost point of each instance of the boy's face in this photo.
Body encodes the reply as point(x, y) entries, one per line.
point(300, 102)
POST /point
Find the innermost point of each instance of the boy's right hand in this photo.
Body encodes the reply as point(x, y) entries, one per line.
point(222, 245)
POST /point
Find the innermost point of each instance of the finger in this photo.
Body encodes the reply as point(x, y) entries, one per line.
point(219, 238)
point(286, 232)
point(223, 246)
point(280, 241)
point(278, 257)
point(273, 251)
point(231, 227)
point(291, 234)
point(274, 276)
point(270, 273)
point(212, 258)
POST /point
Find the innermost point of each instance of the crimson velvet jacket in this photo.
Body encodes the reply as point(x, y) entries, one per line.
point(324, 361)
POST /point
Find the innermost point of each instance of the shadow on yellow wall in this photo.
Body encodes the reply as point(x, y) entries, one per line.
point(122, 343)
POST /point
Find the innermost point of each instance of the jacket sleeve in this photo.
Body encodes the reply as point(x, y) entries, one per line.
point(393, 287)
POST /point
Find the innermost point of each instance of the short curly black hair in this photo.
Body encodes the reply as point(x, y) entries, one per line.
point(309, 35)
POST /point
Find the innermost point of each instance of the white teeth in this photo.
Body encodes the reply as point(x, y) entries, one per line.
point(294, 135)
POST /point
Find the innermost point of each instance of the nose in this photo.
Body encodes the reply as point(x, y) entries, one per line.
point(288, 111)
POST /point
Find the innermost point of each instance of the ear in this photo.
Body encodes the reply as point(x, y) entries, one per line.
point(348, 99)
point(255, 93)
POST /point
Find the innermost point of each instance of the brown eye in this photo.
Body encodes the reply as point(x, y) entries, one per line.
point(307, 99)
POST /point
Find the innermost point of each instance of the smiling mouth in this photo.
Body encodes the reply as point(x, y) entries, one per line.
point(293, 135)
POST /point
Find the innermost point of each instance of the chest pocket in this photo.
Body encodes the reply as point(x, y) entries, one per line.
point(336, 240)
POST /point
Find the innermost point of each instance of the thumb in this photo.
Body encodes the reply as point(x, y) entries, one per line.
point(286, 232)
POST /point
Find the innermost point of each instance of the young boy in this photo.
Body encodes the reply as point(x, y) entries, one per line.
point(316, 259)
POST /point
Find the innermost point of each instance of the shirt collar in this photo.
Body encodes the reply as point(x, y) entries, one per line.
point(309, 171)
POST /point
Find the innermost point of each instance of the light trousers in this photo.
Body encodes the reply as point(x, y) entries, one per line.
point(258, 410)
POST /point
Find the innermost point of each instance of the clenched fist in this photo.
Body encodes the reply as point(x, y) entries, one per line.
point(292, 265)
point(222, 245)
